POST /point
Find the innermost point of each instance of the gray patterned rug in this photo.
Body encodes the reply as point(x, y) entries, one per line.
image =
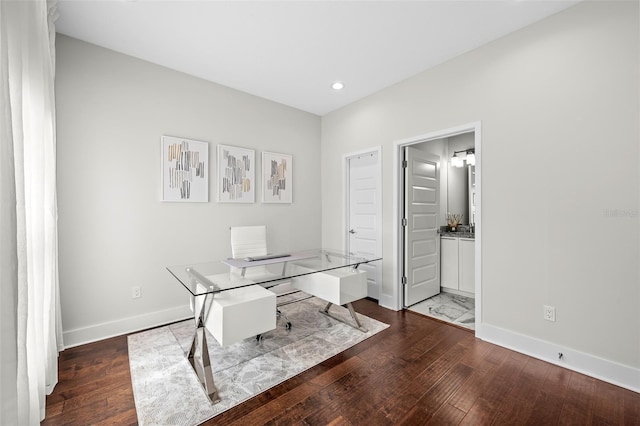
point(167, 391)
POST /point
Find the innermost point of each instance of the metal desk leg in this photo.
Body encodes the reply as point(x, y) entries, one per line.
point(203, 368)
point(352, 311)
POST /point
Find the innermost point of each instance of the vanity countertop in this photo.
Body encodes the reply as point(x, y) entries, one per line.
point(458, 234)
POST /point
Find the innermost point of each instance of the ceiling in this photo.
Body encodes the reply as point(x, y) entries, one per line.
point(292, 51)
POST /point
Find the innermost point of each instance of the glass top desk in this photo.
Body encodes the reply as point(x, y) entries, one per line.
point(331, 275)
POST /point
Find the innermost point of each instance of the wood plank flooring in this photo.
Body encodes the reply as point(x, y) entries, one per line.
point(418, 371)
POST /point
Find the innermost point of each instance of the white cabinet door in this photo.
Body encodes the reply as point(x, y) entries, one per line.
point(466, 269)
point(449, 262)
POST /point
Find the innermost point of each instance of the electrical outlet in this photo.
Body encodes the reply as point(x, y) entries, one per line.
point(549, 313)
point(135, 292)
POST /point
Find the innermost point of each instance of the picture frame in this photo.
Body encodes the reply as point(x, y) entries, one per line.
point(185, 170)
point(236, 174)
point(277, 178)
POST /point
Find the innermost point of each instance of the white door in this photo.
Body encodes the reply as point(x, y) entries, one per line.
point(364, 217)
point(421, 277)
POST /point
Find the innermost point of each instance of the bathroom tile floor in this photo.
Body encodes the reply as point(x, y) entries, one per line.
point(459, 310)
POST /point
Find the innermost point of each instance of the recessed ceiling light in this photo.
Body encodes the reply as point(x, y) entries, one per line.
point(337, 86)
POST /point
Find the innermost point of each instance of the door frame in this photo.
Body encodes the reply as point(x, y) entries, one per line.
point(398, 188)
point(345, 200)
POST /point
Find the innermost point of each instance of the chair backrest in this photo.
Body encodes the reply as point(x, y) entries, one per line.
point(248, 241)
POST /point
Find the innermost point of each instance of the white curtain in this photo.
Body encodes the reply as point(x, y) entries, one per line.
point(29, 299)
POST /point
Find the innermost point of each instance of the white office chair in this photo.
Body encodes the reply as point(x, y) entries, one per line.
point(247, 241)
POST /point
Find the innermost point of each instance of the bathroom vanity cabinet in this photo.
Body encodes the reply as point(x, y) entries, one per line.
point(457, 265)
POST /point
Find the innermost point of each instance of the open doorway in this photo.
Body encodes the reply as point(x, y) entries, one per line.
point(412, 194)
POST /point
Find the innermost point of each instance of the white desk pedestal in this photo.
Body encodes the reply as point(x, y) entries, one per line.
point(240, 313)
point(338, 287)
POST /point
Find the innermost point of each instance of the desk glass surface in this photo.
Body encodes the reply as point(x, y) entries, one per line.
point(216, 276)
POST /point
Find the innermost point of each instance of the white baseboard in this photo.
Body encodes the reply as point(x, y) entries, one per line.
point(93, 333)
point(590, 365)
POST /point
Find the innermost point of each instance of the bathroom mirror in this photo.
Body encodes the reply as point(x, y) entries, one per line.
point(458, 192)
point(458, 182)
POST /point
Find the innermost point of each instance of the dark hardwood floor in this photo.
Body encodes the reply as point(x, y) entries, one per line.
point(418, 371)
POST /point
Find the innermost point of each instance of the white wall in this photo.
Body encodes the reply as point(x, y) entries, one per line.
point(560, 225)
point(114, 232)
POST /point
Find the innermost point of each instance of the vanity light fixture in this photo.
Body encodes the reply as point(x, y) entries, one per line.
point(459, 157)
point(338, 85)
point(471, 159)
point(457, 161)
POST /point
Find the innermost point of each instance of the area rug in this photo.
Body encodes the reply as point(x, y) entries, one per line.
point(167, 391)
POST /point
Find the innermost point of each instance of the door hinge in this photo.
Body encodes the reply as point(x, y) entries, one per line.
point(405, 164)
point(404, 221)
point(404, 280)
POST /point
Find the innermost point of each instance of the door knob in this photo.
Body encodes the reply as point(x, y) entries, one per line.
point(351, 231)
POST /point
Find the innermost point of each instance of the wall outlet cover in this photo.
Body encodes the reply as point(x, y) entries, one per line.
point(549, 313)
point(135, 292)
